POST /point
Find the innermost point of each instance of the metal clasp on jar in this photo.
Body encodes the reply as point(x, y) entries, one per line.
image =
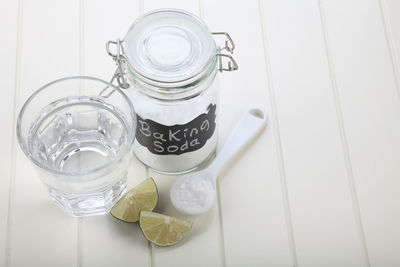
point(119, 74)
point(229, 46)
point(119, 58)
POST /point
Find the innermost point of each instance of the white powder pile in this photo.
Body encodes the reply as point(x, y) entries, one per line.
point(193, 193)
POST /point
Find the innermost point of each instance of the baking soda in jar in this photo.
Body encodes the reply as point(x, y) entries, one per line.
point(168, 62)
point(177, 137)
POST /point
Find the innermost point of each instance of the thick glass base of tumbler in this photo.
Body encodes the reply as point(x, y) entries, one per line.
point(89, 204)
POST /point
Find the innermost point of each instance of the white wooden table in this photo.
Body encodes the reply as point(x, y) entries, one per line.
point(320, 187)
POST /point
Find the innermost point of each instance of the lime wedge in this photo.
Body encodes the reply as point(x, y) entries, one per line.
point(141, 198)
point(163, 230)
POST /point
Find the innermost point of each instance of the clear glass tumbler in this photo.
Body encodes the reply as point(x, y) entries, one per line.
point(80, 142)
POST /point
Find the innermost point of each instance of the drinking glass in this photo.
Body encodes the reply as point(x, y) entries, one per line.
point(80, 142)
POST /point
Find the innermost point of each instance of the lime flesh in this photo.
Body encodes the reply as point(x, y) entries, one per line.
point(141, 198)
point(163, 230)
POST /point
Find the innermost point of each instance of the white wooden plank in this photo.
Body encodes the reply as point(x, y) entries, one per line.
point(41, 234)
point(191, 5)
point(390, 11)
point(324, 225)
point(107, 241)
point(8, 29)
point(371, 109)
point(202, 247)
point(251, 193)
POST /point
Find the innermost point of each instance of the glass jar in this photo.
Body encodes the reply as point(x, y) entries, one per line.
point(169, 61)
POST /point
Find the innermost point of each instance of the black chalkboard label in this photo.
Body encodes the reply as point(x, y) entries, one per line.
point(176, 139)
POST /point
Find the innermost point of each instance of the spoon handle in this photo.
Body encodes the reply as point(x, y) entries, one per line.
point(251, 123)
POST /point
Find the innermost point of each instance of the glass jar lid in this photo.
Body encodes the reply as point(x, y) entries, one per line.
point(169, 46)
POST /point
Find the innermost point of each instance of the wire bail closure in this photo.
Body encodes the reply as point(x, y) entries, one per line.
point(119, 59)
point(229, 46)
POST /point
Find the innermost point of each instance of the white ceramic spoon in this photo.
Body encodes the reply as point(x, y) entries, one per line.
point(194, 193)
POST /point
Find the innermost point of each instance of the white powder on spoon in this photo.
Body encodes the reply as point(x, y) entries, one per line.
point(193, 193)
